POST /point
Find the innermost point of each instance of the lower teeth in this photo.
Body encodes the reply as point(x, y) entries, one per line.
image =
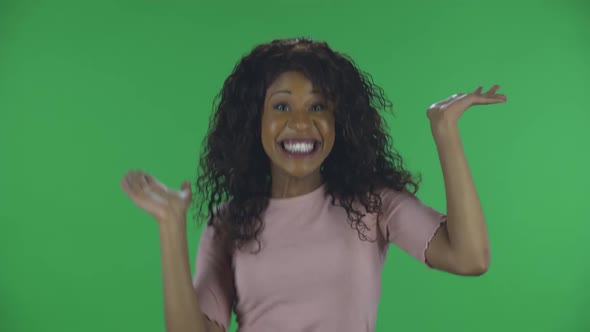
point(299, 152)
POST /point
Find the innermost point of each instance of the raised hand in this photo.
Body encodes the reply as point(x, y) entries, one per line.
point(149, 194)
point(448, 111)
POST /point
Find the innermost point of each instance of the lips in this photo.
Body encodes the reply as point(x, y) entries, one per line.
point(299, 140)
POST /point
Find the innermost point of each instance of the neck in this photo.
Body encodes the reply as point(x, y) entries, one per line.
point(288, 186)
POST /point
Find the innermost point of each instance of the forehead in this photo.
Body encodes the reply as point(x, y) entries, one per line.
point(291, 78)
point(291, 82)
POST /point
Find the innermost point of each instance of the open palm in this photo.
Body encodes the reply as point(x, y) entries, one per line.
point(451, 109)
point(155, 198)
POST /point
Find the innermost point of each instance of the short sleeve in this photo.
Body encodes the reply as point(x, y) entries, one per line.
point(213, 280)
point(408, 223)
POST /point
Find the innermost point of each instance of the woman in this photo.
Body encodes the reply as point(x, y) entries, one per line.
point(304, 194)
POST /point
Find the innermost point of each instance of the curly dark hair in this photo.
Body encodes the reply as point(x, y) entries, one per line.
point(235, 170)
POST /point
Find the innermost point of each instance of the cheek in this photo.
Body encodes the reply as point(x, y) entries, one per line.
point(271, 127)
point(326, 127)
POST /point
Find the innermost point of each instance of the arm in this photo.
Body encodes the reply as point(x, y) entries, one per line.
point(169, 207)
point(461, 246)
point(181, 309)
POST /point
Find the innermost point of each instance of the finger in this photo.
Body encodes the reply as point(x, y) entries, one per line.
point(497, 97)
point(146, 180)
point(151, 188)
point(185, 191)
point(185, 185)
point(492, 90)
point(140, 180)
point(125, 183)
point(478, 90)
point(484, 100)
point(131, 181)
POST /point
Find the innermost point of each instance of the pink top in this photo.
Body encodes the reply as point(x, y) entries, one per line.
point(313, 273)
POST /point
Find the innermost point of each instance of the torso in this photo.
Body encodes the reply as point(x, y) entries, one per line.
point(312, 272)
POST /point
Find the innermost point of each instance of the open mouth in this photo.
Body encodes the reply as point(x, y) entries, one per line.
point(299, 148)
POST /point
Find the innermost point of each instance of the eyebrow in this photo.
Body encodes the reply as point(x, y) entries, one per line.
point(315, 92)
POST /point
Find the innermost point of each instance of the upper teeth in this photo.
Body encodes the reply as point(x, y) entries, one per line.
point(298, 147)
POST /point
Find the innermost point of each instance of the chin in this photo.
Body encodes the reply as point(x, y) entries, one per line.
point(300, 174)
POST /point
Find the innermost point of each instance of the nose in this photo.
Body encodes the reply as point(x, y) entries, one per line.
point(300, 120)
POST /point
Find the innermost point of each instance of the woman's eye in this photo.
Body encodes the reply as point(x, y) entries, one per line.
point(281, 107)
point(318, 107)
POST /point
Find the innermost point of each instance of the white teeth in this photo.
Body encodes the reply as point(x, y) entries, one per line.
point(298, 147)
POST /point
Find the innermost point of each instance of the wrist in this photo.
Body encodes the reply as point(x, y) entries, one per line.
point(444, 130)
point(172, 223)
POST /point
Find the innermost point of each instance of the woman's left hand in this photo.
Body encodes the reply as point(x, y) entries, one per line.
point(448, 111)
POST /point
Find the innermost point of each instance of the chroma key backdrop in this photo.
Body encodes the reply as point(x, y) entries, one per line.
point(92, 89)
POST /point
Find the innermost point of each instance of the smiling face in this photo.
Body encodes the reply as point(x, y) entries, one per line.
point(297, 130)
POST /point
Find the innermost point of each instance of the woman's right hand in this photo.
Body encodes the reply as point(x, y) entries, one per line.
point(164, 204)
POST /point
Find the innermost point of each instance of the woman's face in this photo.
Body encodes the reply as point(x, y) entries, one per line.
point(297, 127)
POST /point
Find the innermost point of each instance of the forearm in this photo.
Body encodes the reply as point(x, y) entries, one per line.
point(181, 309)
point(467, 232)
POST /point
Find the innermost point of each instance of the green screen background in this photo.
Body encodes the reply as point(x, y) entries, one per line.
point(89, 90)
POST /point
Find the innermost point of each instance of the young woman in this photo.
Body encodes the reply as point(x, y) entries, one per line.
point(304, 193)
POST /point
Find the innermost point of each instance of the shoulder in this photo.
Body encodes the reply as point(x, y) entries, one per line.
point(381, 198)
point(213, 232)
point(390, 195)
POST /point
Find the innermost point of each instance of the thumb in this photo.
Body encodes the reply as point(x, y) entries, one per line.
point(185, 190)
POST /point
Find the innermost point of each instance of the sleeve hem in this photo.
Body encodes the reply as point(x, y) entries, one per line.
point(443, 220)
point(212, 319)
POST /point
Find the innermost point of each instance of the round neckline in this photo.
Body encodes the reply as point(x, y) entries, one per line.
point(290, 201)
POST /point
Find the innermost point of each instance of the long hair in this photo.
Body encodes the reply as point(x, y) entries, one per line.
point(235, 170)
